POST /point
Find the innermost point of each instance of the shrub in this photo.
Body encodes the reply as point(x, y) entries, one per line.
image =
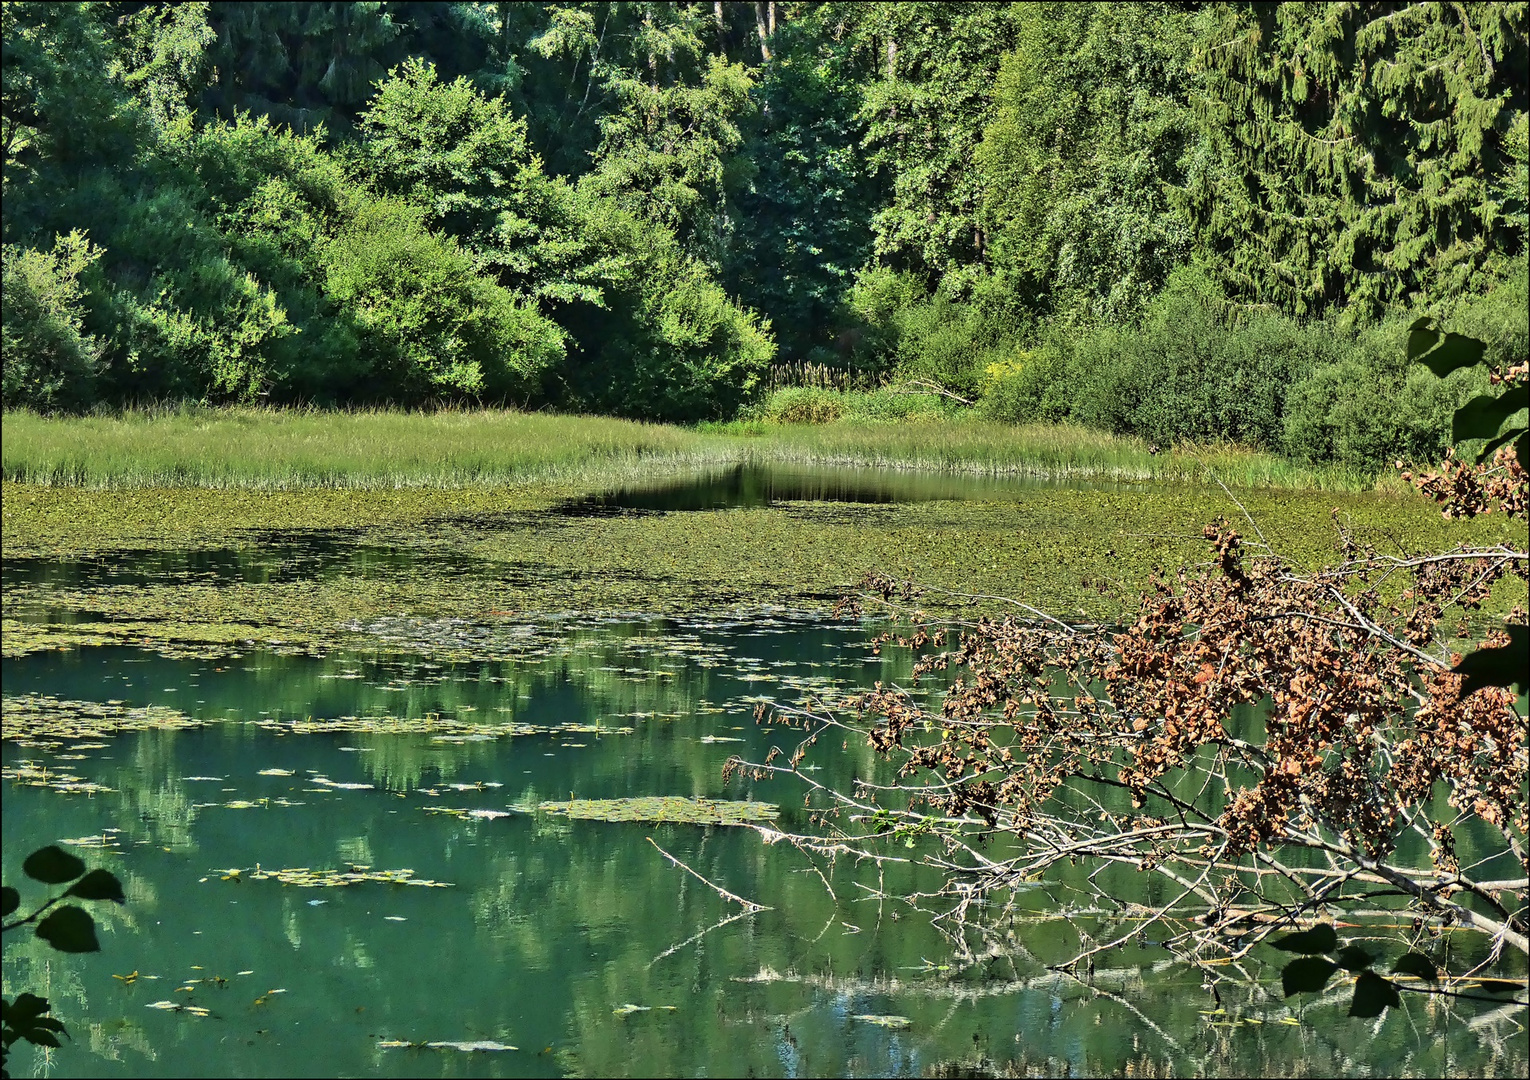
point(803, 405)
point(429, 323)
point(1370, 407)
point(1186, 374)
point(49, 362)
point(674, 349)
point(813, 405)
point(1029, 386)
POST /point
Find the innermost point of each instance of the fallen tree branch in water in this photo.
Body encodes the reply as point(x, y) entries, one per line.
point(749, 905)
point(1269, 741)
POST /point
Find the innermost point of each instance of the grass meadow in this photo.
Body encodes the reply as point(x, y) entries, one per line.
point(285, 449)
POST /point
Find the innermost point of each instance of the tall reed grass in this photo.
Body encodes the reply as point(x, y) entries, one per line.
point(803, 373)
point(376, 449)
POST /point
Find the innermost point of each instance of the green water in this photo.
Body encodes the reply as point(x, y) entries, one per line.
point(575, 941)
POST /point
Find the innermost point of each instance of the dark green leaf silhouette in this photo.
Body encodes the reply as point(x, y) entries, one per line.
point(1372, 995)
point(70, 929)
point(1306, 975)
point(10, 900)
point(1319, 939)
point(1483, 415)
point(1416, 964)
point(1440, 352)
point(1496, 667)
point(1354, 958)
point(98, 885)
point(52, 866)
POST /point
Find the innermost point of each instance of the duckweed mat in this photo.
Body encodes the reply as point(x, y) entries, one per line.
point(470, 575)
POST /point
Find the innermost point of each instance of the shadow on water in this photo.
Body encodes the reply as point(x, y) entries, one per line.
point(746, 486)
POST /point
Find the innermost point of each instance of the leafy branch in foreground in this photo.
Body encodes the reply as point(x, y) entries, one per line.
point(1267, 740)
point(69, 928)
point(1284, 747)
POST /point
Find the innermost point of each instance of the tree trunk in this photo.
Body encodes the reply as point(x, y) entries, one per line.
point(761, 24)
point(722, 27)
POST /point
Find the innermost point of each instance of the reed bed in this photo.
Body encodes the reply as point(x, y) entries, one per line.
point(803, 373)
point(1055, 451)
point(278, 449)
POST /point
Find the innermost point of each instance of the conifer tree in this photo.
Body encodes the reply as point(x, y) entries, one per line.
point(1361, 150)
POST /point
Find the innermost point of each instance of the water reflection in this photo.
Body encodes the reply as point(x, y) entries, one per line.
point(768, 485)
point(551, 928)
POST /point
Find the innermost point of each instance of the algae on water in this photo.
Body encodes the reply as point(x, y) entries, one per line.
point(673, 809)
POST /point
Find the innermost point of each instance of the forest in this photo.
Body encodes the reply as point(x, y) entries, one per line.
point(1184, 222)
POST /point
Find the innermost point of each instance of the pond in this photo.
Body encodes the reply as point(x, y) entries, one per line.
point(470, 831)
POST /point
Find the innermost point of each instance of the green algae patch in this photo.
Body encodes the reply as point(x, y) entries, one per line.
point(460, 575)
point(170, 638)
point(671, 809)
point(303, 877)
point(43, 720)
point(440, 729)
point(29, 773)
point(39, 520)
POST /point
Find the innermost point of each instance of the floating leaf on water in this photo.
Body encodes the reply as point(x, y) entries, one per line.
point(32, 716)
point(476, 1046)
point(668, 808)
point(103, 842)
point(897, 1023)
point(338, 786)
point(31, 774)
point(629, 1009)
point(176, 1006)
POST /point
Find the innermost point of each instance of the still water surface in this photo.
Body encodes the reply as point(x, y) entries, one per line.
point(574, 941)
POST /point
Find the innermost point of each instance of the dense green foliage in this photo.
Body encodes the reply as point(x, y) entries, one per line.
point(1206, 222)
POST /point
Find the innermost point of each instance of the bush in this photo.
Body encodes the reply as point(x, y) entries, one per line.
point(49, 362)
point(1029, 386)
point(812, 405)
point(429, 323)
point(1371, 407)
point(1187, 374)
point(675, 349)
point(942, 339)
point(802, 405)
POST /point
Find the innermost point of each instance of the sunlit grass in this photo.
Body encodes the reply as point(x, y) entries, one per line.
point(1047, 450)
point(275, 449)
